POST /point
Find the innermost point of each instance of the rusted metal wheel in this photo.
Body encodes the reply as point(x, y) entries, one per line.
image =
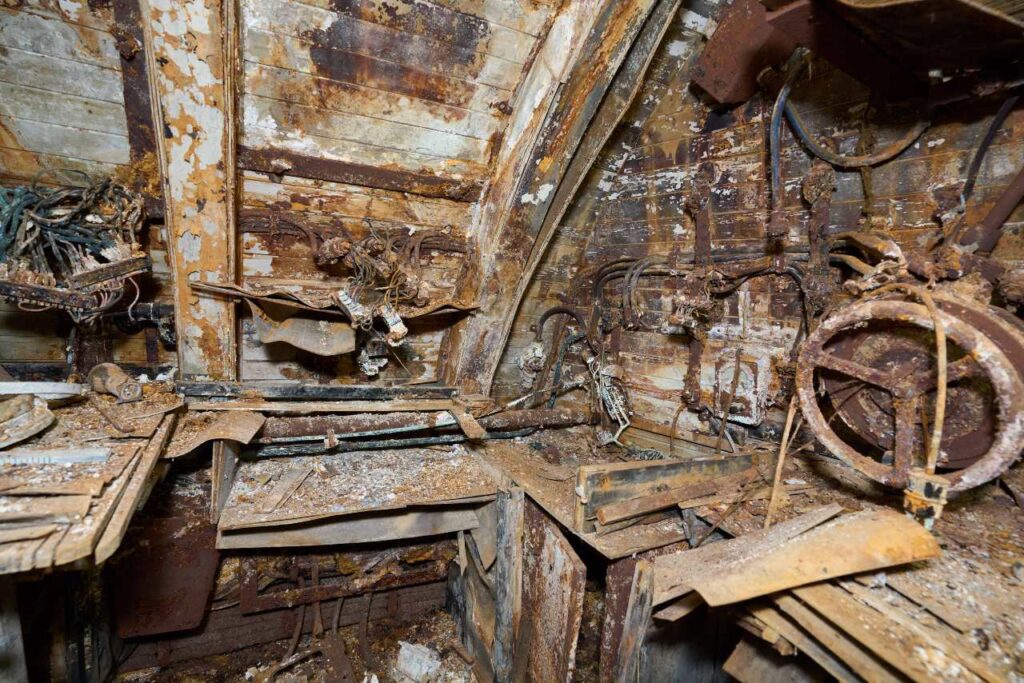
point(871, 369)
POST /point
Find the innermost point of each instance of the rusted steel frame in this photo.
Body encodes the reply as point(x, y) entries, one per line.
point(986, 234)
point(188, 58)
point(252, 600)
point(965, 325)
point(138, 106)
point(282, 162)
point(514, 237)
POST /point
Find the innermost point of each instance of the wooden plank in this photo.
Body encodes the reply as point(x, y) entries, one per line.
point(605, 484)
point(638, 619)
point(753, 663)
point(422, 18)
point(55, 38)
point(854, 655)
point(376, 528)
point(297, 35)
point(633, 507)
point(12, 646)
point(42, 106)
point(65, 141)
point(795, 634)
point(553, 587)
point(423, 145)
point(193, 106)
point(336, 96)
point(673, 574)
point(884, 638)
point(325, 37)
point(281, 126)
point(238, 428)
point(519, 16)
point(508, 579)
point(61, 76)
point(307, 165)
point(46, 508)
point(857, 542)
point(331, 199)
point(109, 539)
point(223, 470)
point(521, 200)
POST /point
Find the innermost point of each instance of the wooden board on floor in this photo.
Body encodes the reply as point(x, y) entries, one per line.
point(357, 482)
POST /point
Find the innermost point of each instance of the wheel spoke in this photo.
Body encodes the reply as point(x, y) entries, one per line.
point(905, 443)
point(957, 370)
point(853, 369)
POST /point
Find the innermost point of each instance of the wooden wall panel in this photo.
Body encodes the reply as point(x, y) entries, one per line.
point(286, 257)
point(416, 87)
point(633, 207)
point(63, 102)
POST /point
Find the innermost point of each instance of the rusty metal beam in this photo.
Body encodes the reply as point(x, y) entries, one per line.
point(515, 229)
point(190, 53)
point(277, 161)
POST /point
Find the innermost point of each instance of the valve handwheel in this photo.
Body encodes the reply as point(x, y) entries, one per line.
point(872, 366)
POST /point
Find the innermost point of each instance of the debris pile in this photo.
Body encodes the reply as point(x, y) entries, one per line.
point(70, 248)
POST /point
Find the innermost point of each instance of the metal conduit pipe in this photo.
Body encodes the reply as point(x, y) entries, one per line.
point(278, 430)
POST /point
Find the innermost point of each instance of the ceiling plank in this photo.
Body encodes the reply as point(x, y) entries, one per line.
point(515, 227)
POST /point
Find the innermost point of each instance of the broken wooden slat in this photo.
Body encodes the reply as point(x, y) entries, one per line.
point(753, 663)
point(223, 468)
point(373, 528)
point(303, 407)
point(233, 427)
point(675, 611)
point(615, 512)
point(853, 543)
point(835, 640)
point(673, 574)
point(110, 537)
point(795, 634)
point(289, 482)
point(602, 485)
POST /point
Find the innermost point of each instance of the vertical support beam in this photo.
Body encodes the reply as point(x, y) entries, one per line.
point(514, 228)
point(225, 465)
point(138, 104)
point(508, 579)
point(634, 628)
point(12, 647)
point(190, 59)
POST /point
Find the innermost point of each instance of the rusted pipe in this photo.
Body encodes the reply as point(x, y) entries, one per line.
point(315, 428)
point(538, 327)
point(986, 234)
